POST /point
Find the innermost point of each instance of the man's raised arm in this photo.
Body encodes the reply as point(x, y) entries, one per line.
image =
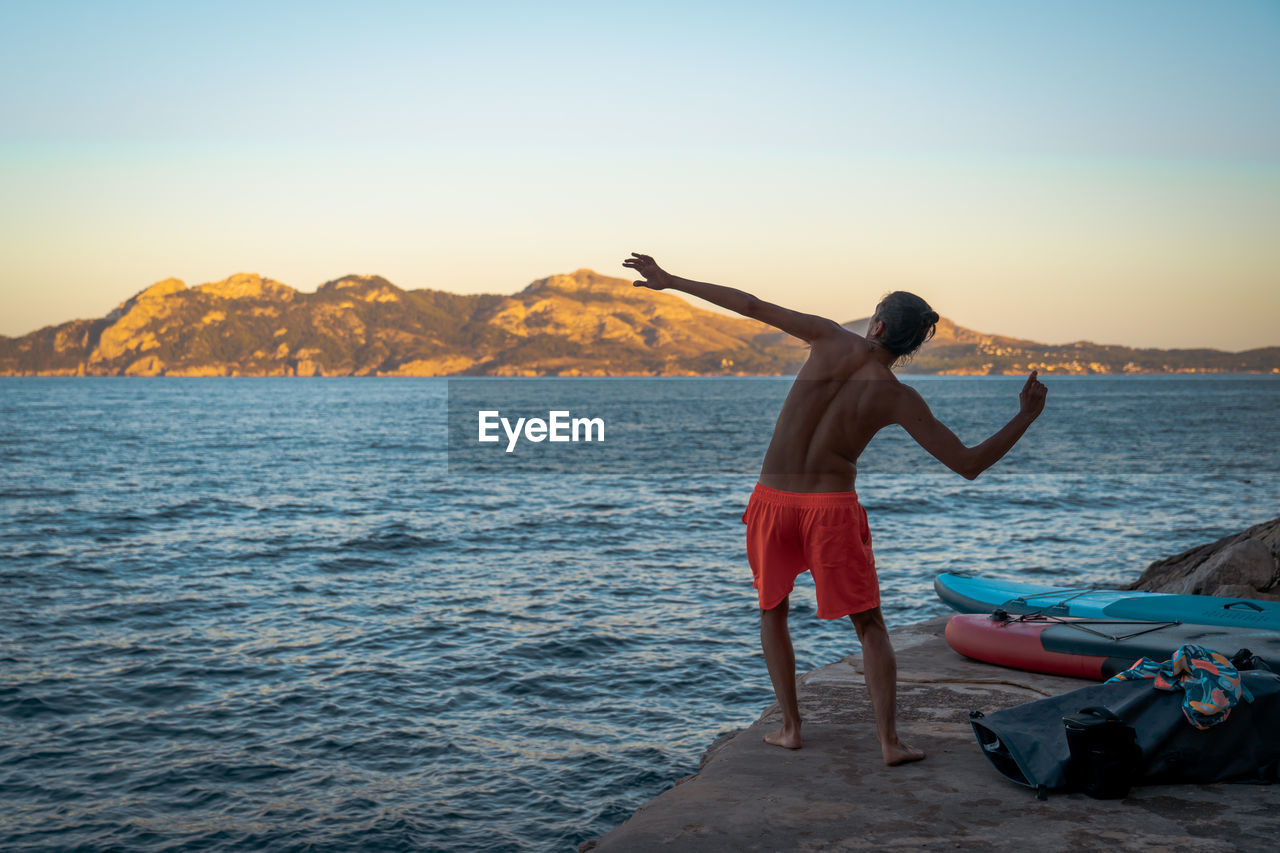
point(806, 327)
point(915, 417)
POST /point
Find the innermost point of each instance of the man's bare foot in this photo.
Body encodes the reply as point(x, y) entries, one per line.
point(785, 737)
point(899, 753)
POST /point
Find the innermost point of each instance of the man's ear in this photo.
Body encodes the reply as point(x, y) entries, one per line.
point(875, 329)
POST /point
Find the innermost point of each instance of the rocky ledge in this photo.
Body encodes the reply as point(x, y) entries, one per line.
point(836, 794)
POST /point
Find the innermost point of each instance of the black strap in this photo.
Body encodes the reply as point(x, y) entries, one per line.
point(1100, 711)
point(1249, 604)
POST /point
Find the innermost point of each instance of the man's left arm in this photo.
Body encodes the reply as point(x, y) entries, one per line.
point(806, 327)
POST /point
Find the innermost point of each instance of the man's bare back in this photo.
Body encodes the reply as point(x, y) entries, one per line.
point(841, 398)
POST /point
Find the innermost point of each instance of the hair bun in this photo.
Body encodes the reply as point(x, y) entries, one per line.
point(930, 318)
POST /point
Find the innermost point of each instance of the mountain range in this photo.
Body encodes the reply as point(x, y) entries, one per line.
point(579, 324)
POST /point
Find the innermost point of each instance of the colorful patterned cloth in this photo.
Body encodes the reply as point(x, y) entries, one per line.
point(1211, 683)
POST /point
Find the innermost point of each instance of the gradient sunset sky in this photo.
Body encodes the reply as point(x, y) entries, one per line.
point(1060, 171)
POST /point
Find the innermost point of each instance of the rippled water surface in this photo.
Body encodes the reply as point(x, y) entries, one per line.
point(266, 615)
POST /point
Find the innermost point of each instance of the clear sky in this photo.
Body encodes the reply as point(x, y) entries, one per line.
point(1061, 171)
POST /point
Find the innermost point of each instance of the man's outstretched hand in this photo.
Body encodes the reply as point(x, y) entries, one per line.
point(655, 276)
point(1031, 398)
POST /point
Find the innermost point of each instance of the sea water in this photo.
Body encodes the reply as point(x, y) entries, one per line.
point(261, 614)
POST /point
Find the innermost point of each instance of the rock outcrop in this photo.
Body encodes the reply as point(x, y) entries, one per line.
point(248, 286)
point(1243, 565)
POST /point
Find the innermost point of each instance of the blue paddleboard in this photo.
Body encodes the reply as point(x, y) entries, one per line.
point(982, 595)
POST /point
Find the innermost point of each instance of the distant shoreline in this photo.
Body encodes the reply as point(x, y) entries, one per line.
point(1164, 375)
point(581, 324)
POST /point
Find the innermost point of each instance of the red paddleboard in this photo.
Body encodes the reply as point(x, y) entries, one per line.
point(1018, 644)
point(1098, 648)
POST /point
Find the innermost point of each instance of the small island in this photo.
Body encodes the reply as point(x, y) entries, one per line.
point(579, 324)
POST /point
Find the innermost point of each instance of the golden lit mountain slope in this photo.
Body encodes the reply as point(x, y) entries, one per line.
point(578, 324)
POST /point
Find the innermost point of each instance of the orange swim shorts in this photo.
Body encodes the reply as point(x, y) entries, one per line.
point(824, 533)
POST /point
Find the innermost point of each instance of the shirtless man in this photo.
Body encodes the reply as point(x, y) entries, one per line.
point(804, 514)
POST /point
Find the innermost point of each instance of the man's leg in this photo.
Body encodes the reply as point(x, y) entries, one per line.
point(780, 657)
point(880, 669)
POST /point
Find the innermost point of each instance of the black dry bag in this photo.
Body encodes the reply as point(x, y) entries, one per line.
point(1105, 758)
